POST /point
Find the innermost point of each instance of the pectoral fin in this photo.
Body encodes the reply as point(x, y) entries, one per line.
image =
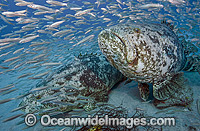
point(144, 90)
point(172, 92)
point(169, 87)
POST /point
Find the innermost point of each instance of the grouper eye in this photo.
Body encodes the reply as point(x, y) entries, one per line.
point(137, 30)
point(119, 38)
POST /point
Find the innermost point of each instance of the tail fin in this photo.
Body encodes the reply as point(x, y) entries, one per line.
point(192, 56)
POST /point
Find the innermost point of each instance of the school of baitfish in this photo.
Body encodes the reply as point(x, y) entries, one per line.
point(29, 50)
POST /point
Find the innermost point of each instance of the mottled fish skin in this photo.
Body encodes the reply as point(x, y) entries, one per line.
point(143, 52)
point(87, 75)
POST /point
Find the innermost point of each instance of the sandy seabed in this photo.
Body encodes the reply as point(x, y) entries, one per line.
point(127, 96)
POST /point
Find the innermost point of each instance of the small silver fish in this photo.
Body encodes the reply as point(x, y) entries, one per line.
point(50, 64)
point(6, 100)
point(56, 24)
point(57, 3)
point(28, 39)
point(78, 110)
point(12, 117)
point(48, 99)
point(39, 88)
point(18, 108)
point(5, 19)
point(51, 109)
point(82, 101)
point(11, 59)
point(84, 40)
point(6, 88)
point(198, 106)
point(18, 50)
point(42, 74)
point(64, 103)
point(151, 6)
point(55, 113)
point(21, 96)
point(25, 75)
point(9, 91)
point(3, 67)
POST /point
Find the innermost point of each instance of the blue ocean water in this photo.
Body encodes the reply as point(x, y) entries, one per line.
point(20, 72)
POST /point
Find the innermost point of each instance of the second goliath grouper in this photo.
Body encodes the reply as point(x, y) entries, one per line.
point(149, 53)
point(78, 85)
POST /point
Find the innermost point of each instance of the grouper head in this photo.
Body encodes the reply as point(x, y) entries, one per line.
point(118, 44)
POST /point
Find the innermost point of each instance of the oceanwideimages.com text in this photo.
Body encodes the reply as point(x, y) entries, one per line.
point(46, 120)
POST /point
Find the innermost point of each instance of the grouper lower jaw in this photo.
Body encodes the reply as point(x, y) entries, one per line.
point(110, 42)
point(116, 48)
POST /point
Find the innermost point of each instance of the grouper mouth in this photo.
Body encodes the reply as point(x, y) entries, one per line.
point(111, 37)
point(119, 38)
point(115, 45)
point(112, 45)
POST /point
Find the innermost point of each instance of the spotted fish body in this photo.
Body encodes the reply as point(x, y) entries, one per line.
point(79, 84)
point(147, 53)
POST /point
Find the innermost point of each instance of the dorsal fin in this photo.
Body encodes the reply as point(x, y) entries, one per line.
point(167, 24)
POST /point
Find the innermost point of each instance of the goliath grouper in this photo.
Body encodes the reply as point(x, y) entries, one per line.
point(149, 53)
point(78, 85)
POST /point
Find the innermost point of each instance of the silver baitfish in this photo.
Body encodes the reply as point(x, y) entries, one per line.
point(149, 53)
point(89, 76)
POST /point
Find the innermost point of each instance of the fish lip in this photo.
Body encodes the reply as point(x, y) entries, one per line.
point(110, 31)
point(124, 44)
point(122, 47)
point(118, 38)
